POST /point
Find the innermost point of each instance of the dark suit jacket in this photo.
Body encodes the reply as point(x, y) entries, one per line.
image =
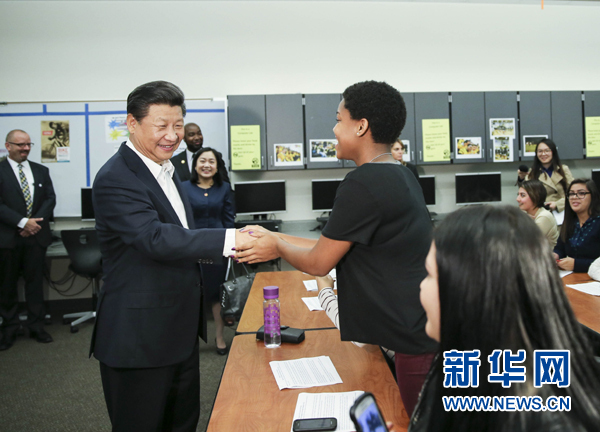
point(149, 308)
point(182, 168)
point(13, 207)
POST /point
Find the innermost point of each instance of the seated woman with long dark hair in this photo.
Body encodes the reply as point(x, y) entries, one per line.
point(579, 242)
point(492, 284)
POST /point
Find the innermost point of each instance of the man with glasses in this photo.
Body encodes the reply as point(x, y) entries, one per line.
point(27, 200)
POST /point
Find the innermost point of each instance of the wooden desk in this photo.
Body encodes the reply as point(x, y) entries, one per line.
point(294, 312)
point(585, 306)
point(249, 399)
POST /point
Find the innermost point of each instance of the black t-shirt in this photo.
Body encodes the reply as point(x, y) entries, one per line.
point(380, 208)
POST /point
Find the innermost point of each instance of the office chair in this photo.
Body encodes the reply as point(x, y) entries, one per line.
point(86, 261)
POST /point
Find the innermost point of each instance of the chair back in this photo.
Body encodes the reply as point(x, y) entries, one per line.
point(84, 251)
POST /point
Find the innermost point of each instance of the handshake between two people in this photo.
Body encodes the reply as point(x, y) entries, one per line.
point(255, 244)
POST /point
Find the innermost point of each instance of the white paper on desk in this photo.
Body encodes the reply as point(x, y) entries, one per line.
point(313, 303)
point(305, 372)
point(311, 285)
point(318, 405)
point(564, 273)
point(559, 216)
point(592, 288)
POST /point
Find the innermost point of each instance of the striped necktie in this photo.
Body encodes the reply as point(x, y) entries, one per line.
point(25, 189)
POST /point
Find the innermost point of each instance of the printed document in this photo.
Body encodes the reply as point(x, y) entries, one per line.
point(305, 372)
point(592, 288)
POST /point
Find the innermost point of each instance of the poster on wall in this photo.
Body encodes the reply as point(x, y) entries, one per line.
point(406, 154)
point(503, 147)
point(502, 127)
point(115, 127)
point(468, 147)
point(55, 141)
point(436, 140)
point(288, 155)
point(592, 136)
point(323, 150)
point(245, 147)
point(530, 143)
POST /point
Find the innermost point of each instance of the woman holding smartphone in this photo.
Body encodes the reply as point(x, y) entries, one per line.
point(377, 237)
point(492, 284)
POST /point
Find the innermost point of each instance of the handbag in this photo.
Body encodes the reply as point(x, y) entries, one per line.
point(234, 293)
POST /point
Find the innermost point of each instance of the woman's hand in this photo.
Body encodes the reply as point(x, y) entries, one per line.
point(390, 426)
point(552, 205)
point(555, 255)
point(566, 264)
point(324, 282)
point(254, 229)
point(264, 248)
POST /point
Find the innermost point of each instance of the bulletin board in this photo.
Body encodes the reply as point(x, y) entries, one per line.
point(94, 131)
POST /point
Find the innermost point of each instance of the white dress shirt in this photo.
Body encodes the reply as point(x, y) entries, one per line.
point(163, 173)
point(189, 156)
point(29, 176)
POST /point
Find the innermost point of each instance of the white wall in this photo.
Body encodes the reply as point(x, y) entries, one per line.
point(101, 50)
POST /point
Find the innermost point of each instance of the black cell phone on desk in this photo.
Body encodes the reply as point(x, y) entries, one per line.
point(366, 415)
point(315, 424)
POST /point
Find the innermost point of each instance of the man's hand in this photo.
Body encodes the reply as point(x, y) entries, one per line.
point(552, 205)
point(24, 233)
point(32, 227)
point(263, 248)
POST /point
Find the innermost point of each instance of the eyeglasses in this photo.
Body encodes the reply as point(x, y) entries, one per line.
point(547, 151)
point(579, 194)
point(22, 145)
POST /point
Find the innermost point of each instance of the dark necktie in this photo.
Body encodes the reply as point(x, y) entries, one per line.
point(25, 189)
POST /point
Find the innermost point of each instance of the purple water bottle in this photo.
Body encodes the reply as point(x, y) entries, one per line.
point(271, 312)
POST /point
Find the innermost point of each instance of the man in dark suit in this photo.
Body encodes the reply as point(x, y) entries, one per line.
point(27, 200)
point(149, 312)
point(182, 162)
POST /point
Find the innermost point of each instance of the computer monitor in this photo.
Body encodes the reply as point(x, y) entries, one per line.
point(87, 208)
point(428, 185)
point(478, 188)
point(260, 197)
point(596, 177)
point(323, 194)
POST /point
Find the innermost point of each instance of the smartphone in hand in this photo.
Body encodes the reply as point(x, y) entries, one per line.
point(366, 415)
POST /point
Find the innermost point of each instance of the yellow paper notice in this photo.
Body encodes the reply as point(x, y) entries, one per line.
point(592, 136)
point(245, 147)
point(436, 140)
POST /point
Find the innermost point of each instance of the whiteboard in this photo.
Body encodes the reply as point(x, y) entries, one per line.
point(89, 147)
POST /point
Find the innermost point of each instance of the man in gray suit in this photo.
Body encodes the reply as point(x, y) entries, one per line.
point(27, 200)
